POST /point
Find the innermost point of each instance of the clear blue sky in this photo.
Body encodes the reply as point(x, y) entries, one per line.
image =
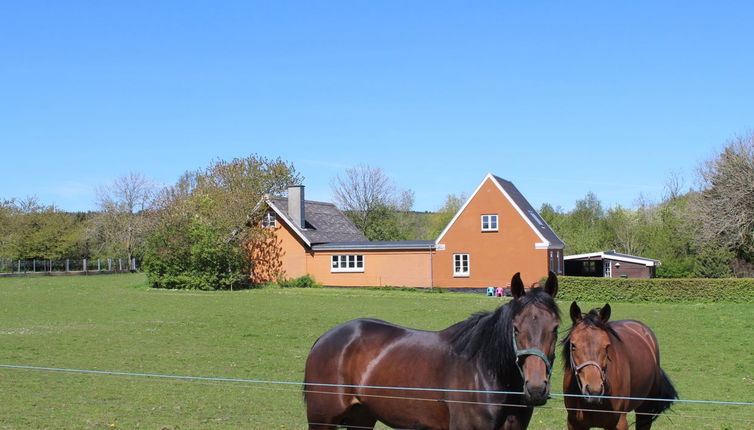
point(561, 98)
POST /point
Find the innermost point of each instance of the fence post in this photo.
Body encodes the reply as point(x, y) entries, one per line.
point(109, 264)
point(99, 266)
point(133, 266)
point(34, 265)
point(85, 265)
point(120, 265)
point(19, 266)
point(67, 265)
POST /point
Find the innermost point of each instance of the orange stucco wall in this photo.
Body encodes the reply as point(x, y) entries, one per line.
point(381, 268)
point(493, 256)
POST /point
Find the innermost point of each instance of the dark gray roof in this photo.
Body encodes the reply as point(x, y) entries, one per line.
point(530, 213)
point(366, 245)
point(324, 222)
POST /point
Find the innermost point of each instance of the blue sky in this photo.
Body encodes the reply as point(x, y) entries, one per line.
point(561, 98)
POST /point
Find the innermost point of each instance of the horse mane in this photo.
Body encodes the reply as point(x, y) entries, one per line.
point(487, 336)
point(591, 319)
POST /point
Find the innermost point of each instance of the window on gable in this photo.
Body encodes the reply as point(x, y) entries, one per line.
point(268, 220)
point(347, 263)
point(460, 265)
point(489, 222)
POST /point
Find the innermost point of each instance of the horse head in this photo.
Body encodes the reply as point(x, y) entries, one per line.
point(587, 351)
point(535, 332)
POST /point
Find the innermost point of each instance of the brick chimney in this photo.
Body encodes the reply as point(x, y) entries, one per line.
point(296, 205)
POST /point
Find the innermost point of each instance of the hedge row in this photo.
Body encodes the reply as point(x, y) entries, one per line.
point(656, 290)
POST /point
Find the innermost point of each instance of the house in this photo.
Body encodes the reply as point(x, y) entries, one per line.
point(610, 264)
point(495, 234)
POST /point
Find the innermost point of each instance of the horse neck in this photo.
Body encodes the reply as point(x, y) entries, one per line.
point(485, 340)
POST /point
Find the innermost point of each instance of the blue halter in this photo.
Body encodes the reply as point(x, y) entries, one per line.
point(531, 351)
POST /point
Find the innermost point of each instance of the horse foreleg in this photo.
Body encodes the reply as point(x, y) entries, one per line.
point(622, 423)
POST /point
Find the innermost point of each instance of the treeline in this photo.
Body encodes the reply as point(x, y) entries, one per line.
point(202, 232)
point(706, 232)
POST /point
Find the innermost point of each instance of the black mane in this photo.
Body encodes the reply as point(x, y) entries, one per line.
point(487, 336)
point(591, 319)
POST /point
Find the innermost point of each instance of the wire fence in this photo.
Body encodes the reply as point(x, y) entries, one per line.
point(402, 393)
point(85, 265)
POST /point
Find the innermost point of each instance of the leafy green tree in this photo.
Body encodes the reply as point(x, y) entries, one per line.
point(713, 263)
point(36, 231)
point(445, 214)
point(207, 223)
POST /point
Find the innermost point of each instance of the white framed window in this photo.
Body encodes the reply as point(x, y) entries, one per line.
point(461, 265)
point(489, 222)
point(268, 220)
point(607, 266)
point(347, 263)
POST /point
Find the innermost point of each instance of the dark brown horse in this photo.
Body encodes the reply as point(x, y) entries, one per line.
point(612, 367)
point(352, 369)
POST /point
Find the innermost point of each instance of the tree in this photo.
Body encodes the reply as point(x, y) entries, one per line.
point(125, 206)
point(370, 199)
point(37, 231)
point(723, 209)
point(207, 224)
point(449, 209)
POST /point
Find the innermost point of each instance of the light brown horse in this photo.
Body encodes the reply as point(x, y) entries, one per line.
point(468, 376)
point(611, 367)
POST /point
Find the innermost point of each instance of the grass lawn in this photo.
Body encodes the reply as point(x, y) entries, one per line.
point(115, 323)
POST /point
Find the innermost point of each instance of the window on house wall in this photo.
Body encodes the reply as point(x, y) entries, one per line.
point(347, 263)
point(489, 222)
point(268, 220)
point(461, 265)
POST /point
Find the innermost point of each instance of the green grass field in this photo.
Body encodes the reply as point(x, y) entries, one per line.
point(115, 323)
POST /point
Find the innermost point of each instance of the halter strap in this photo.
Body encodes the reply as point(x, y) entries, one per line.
point(577, 369)
point(531, 351)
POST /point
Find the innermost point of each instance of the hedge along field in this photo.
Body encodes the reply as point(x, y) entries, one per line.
point(115, 323)
point(657, 290)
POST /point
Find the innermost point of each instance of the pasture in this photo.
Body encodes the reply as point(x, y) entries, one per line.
point(115, 323)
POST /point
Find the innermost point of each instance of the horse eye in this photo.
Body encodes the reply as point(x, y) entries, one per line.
point(573, 347)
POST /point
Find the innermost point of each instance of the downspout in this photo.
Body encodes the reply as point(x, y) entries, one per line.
point(431, 270)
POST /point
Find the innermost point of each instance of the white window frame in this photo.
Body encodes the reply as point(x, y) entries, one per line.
point(458, 258)
point(490, 220)
point(269, 219)
point(607, 268)
point(347, 263)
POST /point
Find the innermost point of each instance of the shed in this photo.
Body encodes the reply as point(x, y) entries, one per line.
point(610, 264)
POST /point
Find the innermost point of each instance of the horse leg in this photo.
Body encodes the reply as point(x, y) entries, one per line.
point(643, 420)
point(359, 418)
point(622, 423)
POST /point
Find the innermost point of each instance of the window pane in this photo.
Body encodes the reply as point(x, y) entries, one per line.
point(493, 222)
point(335, 261)
point(359, 261)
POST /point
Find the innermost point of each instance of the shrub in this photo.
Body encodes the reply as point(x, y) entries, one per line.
point(305, 281)
point(656, 290)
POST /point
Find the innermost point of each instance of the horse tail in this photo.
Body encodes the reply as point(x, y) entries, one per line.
point(665, 390)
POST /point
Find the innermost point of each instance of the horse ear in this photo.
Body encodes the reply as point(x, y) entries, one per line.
point(605, 312)
point(517, 286)
point(575, 312)
point(551, 286)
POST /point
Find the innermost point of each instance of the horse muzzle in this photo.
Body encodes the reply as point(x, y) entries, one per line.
point(536, 395)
